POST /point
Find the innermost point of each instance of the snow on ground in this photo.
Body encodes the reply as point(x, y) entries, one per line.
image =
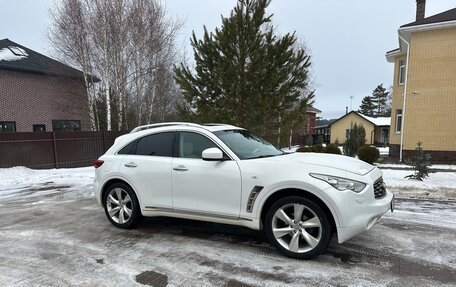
point(290, 149)
point(384, 151)
point(439, 185)
point(16, 180)
point(405, 166)
point(53, 233)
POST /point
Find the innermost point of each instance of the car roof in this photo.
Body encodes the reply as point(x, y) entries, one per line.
point(165, 127)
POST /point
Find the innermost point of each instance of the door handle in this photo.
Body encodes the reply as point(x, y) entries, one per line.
point(180, 168)
point(131, 164)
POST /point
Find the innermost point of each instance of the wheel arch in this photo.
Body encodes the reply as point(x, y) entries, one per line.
point(297, 192)
point(115, 180)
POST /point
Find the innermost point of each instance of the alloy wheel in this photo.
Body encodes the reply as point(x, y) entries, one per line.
point(119, 205)
point(296, 228)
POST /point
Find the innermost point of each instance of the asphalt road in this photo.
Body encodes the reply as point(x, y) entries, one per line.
point(58, 236)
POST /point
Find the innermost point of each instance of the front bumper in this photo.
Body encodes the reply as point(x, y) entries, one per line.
point(359, 212)
point(367, 218)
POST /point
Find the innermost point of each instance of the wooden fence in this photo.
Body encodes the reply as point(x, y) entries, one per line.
point(53, 149)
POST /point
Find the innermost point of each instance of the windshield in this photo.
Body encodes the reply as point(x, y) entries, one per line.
point(246, 145)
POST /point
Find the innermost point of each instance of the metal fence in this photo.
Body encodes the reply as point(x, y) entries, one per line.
point(53, 149)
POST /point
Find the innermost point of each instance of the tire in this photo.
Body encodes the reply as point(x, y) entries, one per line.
point(121, 205)
point(303, 236)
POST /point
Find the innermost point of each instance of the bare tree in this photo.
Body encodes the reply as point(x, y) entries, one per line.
point(129, 44)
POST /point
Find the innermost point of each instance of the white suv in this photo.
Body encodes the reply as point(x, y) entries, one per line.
point(222, 173)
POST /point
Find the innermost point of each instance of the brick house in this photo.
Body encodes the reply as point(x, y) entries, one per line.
point(38, 93)
point(377, 128)
point(306, 134)
point(424, 87)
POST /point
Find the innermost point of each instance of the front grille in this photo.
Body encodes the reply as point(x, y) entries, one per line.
point(379, 188)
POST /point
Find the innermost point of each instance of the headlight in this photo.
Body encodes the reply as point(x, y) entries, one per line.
point(340, 183)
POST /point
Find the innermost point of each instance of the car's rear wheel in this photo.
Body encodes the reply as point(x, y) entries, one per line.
point(298, 227)
point(121, 205)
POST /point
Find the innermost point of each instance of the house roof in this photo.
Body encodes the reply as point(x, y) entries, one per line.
point(449, 15)
point(313, 110)
point(19, 58)
point(376, 121)
point(442, 20)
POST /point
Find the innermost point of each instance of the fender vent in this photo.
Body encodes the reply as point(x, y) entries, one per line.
point(252, 197)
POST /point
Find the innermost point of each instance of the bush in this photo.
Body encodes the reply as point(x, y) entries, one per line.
point(332, 148)
point(356, 139)
point(369, 154)
point(317, 148)
point(304, 149)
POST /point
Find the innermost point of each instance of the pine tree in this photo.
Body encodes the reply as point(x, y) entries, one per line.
point(379, 100)
point(356, 139)
point(420, 163)
point(245, 74)
point(366, 107)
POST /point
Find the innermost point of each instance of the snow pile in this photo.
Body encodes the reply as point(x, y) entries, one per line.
point(439, 185)
point(23, 181)
point(404, 166)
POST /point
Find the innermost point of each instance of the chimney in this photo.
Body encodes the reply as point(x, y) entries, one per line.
point(346, 110)
point(420, 9)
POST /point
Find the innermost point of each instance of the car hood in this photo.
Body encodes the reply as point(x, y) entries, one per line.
point(341, 162)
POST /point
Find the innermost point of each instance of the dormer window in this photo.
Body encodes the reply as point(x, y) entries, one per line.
point(18, 51)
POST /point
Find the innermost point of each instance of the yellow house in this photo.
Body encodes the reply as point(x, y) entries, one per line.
point(377, 129)
point(424, 87)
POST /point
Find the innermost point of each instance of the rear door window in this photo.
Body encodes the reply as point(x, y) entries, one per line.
point(160, 144)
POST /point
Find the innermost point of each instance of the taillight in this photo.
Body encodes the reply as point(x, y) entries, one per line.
point(97, 163)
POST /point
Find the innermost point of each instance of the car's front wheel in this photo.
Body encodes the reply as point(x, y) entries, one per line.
point(121, 205)
point(298, 227)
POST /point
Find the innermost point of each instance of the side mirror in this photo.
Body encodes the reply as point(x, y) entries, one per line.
point(213, 154)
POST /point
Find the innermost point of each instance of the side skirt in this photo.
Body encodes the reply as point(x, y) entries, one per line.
point(150, 211)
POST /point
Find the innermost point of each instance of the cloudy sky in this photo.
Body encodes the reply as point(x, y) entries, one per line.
point(347, 39)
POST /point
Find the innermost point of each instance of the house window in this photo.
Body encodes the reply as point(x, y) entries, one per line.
point(39, 128)
point(7, 127)
point(66, 125)
point(401, 72)
point(398, 121)
point(347, 133)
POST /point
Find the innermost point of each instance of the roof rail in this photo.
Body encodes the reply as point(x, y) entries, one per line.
point(158, 125)
point(213, 124)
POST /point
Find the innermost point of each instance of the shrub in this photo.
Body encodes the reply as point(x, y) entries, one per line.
point(304, 149)
point(317, 148)
point(356, 139)
point(332, 148)
point(420, 163)
point(369, 154)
